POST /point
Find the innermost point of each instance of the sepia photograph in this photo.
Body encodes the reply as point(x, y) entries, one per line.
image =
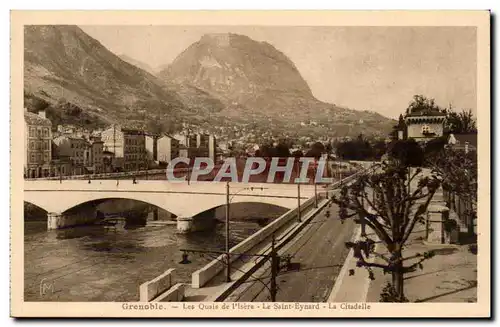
point(215, 164)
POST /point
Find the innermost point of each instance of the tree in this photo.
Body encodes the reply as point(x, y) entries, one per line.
point(423, 104)
point(407, 152)
point(39, 104)
point(282, 150)
point(457, 170)
point(317, 149)
point(392, 212)
point(434, 146)
point(461, 123)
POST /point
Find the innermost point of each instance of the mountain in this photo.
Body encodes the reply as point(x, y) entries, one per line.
point(62, 64)
point(137, 63)
point(220, 82)
point(254, 78)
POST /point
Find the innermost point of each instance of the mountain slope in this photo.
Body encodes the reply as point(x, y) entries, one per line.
point(255, 79)
point(137, 63)
point(63, 62)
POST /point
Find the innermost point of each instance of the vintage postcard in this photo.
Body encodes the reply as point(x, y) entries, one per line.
point(250, 164)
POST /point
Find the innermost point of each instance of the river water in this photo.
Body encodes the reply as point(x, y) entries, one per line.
point(102, 263)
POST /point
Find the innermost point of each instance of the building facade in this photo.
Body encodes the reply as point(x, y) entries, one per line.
point(198, 145)
point(94, 155)
point(128, 147)
point(37, 144)
point(425, 126)
point(76, 149)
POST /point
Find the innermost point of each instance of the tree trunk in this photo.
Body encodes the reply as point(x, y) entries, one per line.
point(398, 278)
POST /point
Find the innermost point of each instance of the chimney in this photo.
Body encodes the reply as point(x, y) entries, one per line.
point(41, 113)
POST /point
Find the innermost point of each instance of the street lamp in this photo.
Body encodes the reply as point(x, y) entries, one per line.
point(298, 192)
point(273, 256)
point(315, 186)
point(229, 197)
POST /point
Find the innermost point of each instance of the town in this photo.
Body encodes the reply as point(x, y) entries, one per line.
point(239, 171)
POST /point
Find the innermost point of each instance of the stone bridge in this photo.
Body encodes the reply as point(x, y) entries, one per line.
point(186, 201)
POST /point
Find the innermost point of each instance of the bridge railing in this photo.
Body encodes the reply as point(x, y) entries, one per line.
point(209, 271)
point(202, 276)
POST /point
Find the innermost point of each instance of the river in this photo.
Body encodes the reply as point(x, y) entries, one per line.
point(102, 263)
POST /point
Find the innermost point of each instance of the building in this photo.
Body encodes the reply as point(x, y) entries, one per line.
point(94, 155)
point(425, 125)
point(465, 142)
point(128, 147)
point(37, 142)
point(162, 148)
point(168, 148)
point(76, 149)
point(108, 158)
point(198, 145)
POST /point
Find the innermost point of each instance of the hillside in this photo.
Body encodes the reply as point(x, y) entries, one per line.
point(254, 80)
point(62, 63)
point(137, 63)
point(221, 81)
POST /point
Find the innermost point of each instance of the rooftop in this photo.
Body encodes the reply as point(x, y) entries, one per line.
point(34, 119)
point(463, 138)
point(424, 113)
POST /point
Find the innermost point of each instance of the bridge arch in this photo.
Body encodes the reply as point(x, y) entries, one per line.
point(245, 209)
point(179, 204)
point(33, 211)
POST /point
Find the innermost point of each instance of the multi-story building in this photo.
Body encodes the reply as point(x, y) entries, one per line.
point(128, 146)
point(94, 155)
point(198, 145)
point(37, 142)
point(163, 148)
point(76, 149)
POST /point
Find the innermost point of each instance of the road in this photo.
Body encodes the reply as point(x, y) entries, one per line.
point(317, 256)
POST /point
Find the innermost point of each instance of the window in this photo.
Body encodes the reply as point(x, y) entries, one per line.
point(32, 132)
point(46, 157)
point(32, 145)
point(39, 132)
point(45, 132)
point(32, 159)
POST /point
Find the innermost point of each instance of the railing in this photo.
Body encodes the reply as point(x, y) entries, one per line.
point(466, 209)
point(130, 174)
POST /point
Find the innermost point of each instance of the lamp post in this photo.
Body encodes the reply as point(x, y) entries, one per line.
point(228, 267)
point(315, 186)
point(298, 193)
point(228, 202)
point(272, 256)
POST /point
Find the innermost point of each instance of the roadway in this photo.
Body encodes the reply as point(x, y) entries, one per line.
point(318, 254)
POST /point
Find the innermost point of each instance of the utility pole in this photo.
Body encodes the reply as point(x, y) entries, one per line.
point(298, 200)
point(298, 192)
point(228, 266)
point(315, 186)
point(189, 167)
point(274, 270)
point(363, 229)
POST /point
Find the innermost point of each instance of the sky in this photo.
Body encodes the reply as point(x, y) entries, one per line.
point(362, 68)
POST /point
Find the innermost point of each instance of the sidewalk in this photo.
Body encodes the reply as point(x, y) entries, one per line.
point(449, 276)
